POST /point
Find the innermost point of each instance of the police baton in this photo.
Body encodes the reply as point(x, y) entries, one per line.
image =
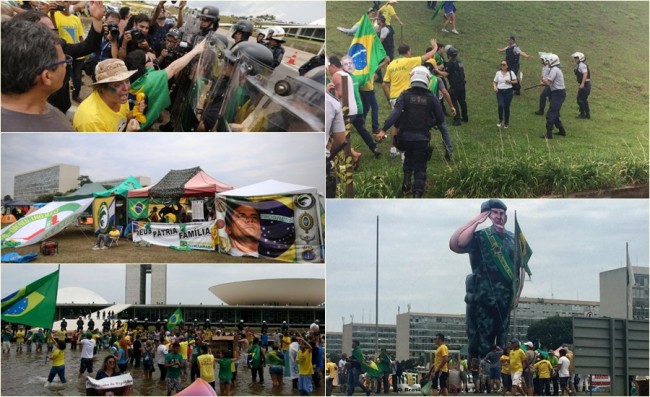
point(533, 86)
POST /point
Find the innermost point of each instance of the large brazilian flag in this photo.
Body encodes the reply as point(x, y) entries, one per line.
point(175, 320)
point(366, 51)
point(34, 304)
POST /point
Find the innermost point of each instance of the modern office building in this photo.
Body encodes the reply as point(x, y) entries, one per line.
point(613, 294)
point(530, 310)
point(334, 343)
point(366, 334)
point(136, 284)
point(48, 180)
point(415, 332)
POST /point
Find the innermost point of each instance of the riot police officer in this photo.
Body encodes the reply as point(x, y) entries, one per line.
point(206, 324)
point(241, 326)
point(456, 77)
point(416, 111)
point(555, 81)
point(584, 80)
point(241, 31)
point(106, 325)
point(513, 52)
point(264, 328)
point(285, 326)
point(80, 324)
point(91, 324)
point(64, 324)
point(208, 22)
point(275, 40)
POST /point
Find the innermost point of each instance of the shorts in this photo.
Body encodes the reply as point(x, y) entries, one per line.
point(564, 381)
point(506, 379)
point(6, 345)
point(173, 384)
point(463, 376)
point(225, 381)
point(442, 376)
point(305, 384)
point(86, 364)
point(276, 370)
point(148, 367)
point(516, 378)
point(495, 373)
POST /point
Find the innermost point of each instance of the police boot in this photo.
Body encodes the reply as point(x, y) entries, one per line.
point(417, 194)
point(561, 132)
point(549, 135)
point(407, 184)
point(540, 112)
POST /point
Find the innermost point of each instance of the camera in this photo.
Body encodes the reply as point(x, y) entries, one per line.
point(136, 35)
point(113, 29)
point(61, 7)
point(179, 50)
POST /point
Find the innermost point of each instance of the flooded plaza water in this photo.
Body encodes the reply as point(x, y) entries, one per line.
point(25, 374)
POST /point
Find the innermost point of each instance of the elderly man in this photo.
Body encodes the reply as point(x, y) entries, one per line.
point(107, 108)
point(33, 67)
point(495, 278)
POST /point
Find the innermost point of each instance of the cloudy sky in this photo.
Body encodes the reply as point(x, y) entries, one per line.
point(236, 159)
point(572, 241)
point(294, 11)
point(187, 284)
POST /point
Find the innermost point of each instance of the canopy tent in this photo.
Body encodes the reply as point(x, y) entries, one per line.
point(17, 203)
point(129, 183)
point(86, 191)
point(182, 183)
point(285, 221)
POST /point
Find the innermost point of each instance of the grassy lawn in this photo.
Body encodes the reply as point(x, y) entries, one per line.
point(608, 151)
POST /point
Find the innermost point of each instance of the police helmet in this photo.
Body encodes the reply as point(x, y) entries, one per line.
point(420, 77)
point(277, 33)
point(63, 319)
point(244, 26)
point(210, 12)
point(579, 55)
point(452, 52)
point(317, 74)
point(553, 60)
point(250, 50)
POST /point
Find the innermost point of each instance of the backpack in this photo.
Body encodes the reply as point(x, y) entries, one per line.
point(148, 357)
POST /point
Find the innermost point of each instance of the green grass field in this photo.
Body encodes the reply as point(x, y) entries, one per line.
point(608, 151)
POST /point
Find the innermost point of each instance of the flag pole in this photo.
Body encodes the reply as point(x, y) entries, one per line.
point(377, 292)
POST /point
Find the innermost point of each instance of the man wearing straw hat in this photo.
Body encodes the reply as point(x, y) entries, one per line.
point(107, 108)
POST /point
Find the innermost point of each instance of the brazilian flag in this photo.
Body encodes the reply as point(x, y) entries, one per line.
point(369, 367)
point(138, 208)
point(175, 320)
point(366, 51)
point(34, 304)
point(524, 252)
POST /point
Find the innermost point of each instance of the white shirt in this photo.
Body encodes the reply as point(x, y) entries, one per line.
point(563, 363)
point(87, 346)
point(556, 77)
point(161, 352)
point(502, 81)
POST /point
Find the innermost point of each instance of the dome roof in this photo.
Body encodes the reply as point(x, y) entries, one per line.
point(281, 291)
point(78, 295)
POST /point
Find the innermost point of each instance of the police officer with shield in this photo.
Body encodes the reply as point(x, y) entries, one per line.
point(416, 111)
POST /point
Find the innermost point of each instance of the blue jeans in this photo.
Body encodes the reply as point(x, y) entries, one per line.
point(383, 380)
point(583, 96)
point(546, 94)
point(504, 99)
point(353, 381)
point(369, 101)
point(54, 371)
point(553, 114)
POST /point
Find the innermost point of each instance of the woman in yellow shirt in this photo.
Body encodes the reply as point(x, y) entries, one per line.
point(506, 379)
point(58, 364)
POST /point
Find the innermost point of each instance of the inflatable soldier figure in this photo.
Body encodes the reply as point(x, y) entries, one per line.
point(416, 111)
point(230, 97)
point(295, 103)
point(498, 263)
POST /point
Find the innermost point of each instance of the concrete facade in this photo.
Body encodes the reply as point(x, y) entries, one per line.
point(613, 294)
point(136, 284)
point(366, 335)
point(144, 181)
point(48, 180)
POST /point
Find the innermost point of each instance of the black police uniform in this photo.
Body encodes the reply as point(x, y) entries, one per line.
point(416, 111)
point(456, 79)
point(64, 325)
point(513, 65)
point(583, 94)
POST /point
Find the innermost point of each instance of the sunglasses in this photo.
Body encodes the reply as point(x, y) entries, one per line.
point(68, 59)
point(504, 64)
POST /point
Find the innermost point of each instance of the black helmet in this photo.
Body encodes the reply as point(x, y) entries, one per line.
point(452, 52)
point(256, 51)
point(210, 12)
point(243, 26)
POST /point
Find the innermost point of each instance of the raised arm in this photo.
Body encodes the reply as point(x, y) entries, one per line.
point(463, 236)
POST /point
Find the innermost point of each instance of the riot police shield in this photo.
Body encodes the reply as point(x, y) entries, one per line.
point(290, 104)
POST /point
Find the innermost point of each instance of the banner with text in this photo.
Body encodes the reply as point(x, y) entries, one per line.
point(195, 235)
point(104, 214)
point(43, 223)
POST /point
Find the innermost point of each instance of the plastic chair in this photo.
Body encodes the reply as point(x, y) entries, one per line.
point(115, 240)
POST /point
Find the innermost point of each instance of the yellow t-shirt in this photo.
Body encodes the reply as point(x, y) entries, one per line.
point(70, 27)
point(58, 358)
point(398, 74)
point(286, 341)
point(94, 115)
point(304, 362)
point(543, 368)
point(114, 233)
point(206, 367)
point(505, 364)
point(60, 335)
point(388, 11)
point(20, 336)
point(330, 368)
point(183, 349)
point(517, 358)
point(441, 352)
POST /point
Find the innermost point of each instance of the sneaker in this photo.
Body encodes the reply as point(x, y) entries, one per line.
point(104, 247)
point(377, 153)
point(500, 124)
point(549, 136)
point(454, 31)
point(444, 30)
point(95, 247)
point(393, 152)
point(506, 125)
